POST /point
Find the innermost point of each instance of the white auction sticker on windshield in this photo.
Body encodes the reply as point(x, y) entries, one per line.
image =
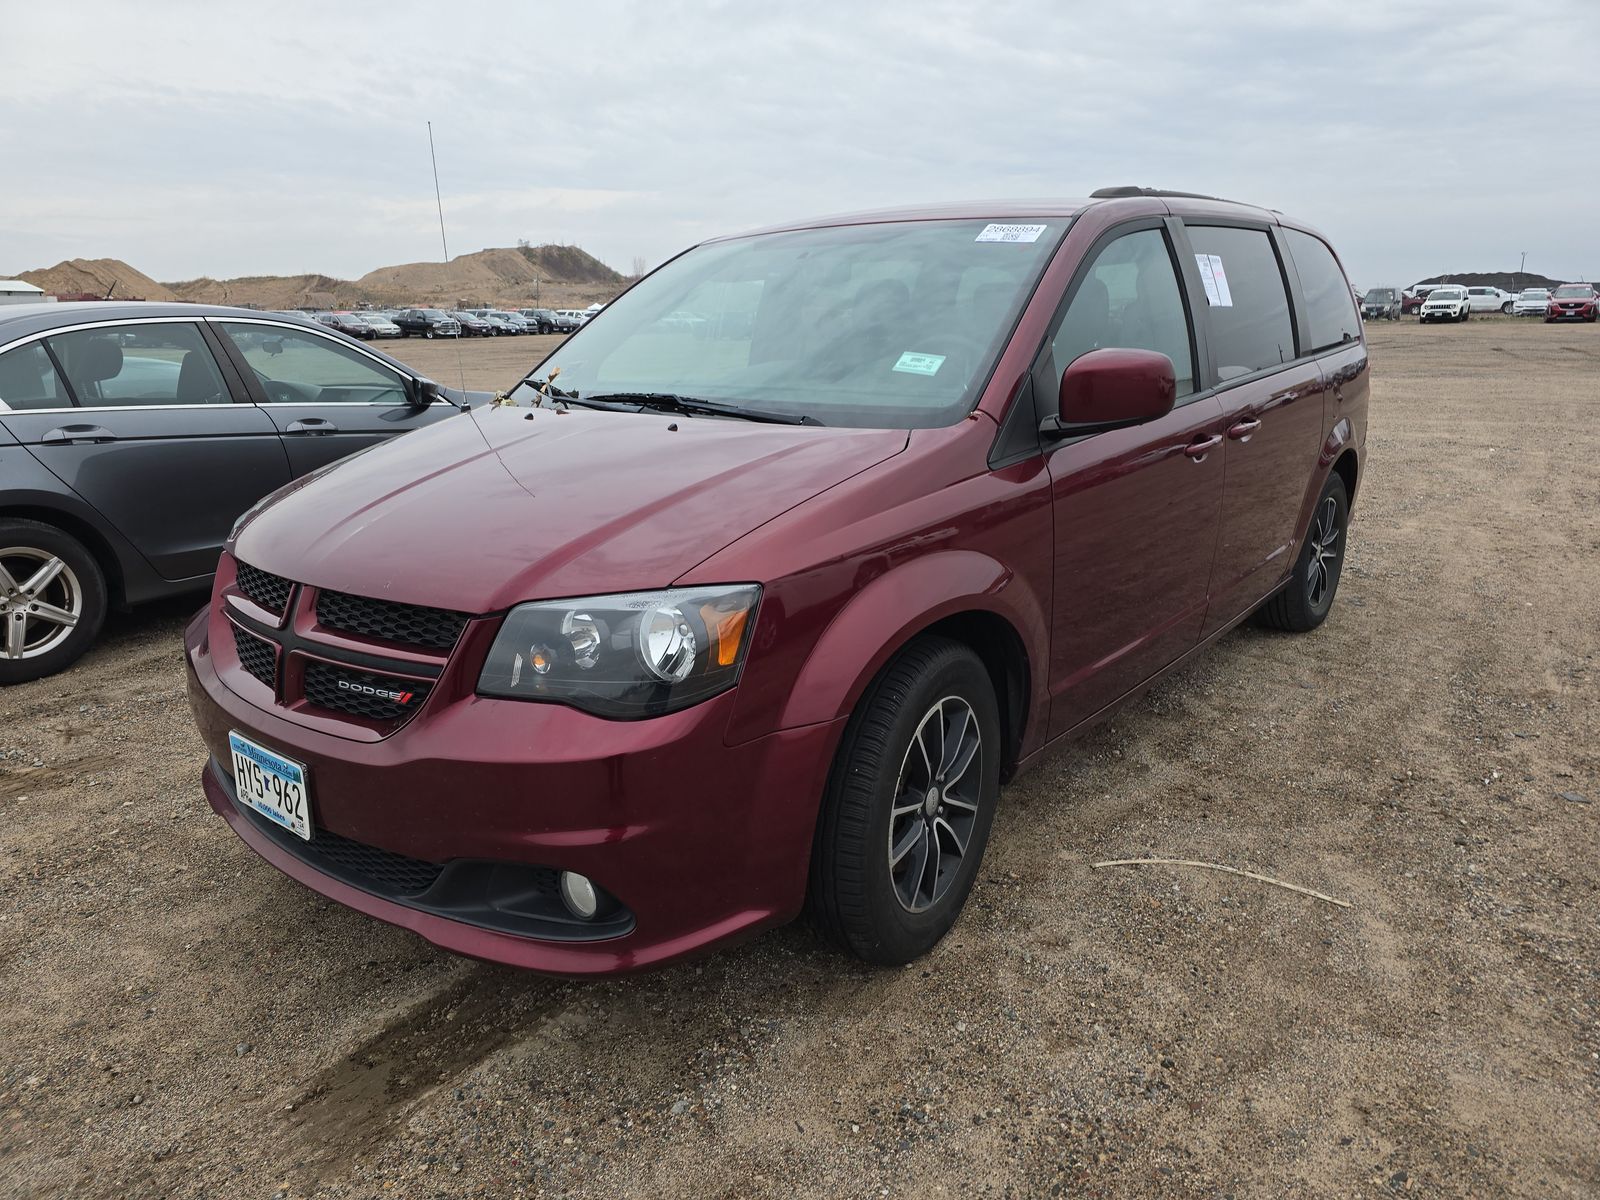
point(1011, 233)
point(919, 364)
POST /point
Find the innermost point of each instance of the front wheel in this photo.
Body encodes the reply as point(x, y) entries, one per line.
point(52, 600)
point(1304, 601)
point(909, 804)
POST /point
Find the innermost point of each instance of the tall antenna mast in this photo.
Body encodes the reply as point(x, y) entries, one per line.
point(461, 370)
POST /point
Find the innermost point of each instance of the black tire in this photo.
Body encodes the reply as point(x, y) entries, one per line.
point(81, 584)
point(427, 333)
point(855, 892)
point(1300, 606)
point(1506, 308)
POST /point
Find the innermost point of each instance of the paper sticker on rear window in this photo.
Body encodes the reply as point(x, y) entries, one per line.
point(1011, 233)
point(1215, 280)
point(919, 364)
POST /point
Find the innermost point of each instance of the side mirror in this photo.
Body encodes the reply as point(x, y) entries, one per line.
point(422, 392)
point(1111, 389)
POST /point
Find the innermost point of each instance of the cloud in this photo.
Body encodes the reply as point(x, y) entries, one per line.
point(209, 139)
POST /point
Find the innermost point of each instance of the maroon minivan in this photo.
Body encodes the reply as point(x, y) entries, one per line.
point(763, 583)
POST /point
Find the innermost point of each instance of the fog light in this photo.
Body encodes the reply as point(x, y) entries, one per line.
point(579, 895)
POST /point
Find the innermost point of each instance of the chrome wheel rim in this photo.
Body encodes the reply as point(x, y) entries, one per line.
point(41, 602)
point(935, 804)
point(1324, 552)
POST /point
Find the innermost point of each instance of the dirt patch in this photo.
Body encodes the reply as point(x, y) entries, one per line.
point(177, 1019)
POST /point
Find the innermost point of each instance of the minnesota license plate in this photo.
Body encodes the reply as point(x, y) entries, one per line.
point(272, 785)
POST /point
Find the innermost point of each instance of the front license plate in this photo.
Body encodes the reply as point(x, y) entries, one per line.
point(272, 785)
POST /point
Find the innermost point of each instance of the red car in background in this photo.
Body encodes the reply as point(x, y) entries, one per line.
point(1410, 302)
point(713, 625)
point(1573, 302)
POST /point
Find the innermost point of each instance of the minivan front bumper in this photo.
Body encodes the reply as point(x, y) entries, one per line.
point(700, 842)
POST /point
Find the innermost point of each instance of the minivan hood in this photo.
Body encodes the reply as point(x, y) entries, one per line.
point(498, 506)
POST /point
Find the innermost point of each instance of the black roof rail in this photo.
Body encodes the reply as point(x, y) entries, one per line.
point(1121, 193)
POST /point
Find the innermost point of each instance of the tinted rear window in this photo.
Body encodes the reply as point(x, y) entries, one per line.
point(28, 379)
point(1331, 316)
point(1249, 312)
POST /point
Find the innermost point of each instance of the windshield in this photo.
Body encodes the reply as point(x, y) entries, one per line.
point(1533, 294)
point(1446, 294)
point(1572, 291)
point(1380, 294)
point(894, 325)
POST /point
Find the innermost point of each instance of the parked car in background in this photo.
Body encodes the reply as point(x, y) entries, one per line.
point(779, 649)
point(542, 319)
point(347, 323)
point(1573, 302)
point(1489, 299)
point(1446, 303)
point(1410, 303)
point(427, 323)
point(133, 435)
point(473, 325)
point(576, 318)
point(1381, 304)
point(381, 325)
point(1421, 290)
point(518, 322)
point(1531, 302)
point(500, 325)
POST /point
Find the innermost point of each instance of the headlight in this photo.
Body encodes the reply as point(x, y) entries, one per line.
point(634, 654)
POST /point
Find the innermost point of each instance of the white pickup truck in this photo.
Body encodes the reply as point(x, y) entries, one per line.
point(1489, 299)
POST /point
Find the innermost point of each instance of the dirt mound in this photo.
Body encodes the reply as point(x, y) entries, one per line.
point(94, 277)
point(1510, 281)
point(490, 275)
point(268, 291)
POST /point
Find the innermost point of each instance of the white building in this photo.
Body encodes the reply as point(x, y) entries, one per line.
point(14, 291)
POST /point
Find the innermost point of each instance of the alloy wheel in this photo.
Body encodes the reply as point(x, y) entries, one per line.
point(1324, 551)
point(41, 602)
point(935, 804)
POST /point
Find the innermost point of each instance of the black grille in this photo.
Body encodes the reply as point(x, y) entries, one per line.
point(347, 690)
point(271, 592)
point(408, 624)
point(392, 872)
point(257, 656)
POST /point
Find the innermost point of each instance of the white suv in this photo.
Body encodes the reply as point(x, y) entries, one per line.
point(1446, 303)
point(1489, 299)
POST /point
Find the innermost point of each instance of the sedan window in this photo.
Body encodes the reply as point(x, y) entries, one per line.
point(300, 367)
point(139, 366)
point(28, 379)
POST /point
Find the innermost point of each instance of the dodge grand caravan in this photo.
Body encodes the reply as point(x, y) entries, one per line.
point(703, 627)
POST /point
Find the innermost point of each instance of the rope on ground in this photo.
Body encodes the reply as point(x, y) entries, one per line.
point(1189, 862)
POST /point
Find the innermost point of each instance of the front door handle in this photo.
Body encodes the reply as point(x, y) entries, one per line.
point(1201, 447)
point(312, 427)
point(72, 434)
point(1241, 430)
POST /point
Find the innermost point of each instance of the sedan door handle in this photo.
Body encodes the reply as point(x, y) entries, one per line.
point(1240, 430)
point(71, 434)
point(1203, 446)
point(312, 427)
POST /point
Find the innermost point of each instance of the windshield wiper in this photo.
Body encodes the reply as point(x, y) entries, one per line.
point(691, 405)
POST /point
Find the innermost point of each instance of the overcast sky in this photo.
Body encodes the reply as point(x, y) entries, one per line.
point(219, 139)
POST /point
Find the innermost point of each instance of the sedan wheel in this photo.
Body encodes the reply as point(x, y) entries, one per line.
point(52, 600)
point(909, 803)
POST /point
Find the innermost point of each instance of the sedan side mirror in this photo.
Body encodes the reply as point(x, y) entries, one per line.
point(422, 392)
point(1112, 389)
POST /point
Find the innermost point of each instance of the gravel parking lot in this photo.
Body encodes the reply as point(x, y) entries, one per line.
point(177, 1019)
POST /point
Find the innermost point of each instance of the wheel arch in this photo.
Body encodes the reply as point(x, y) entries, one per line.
point(94, 541)
point(1346, 468)
point(963, 595)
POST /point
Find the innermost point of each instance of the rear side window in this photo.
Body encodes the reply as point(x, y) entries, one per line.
point(28, 379)
point(1247, 303)
point(1330, 315)
point(140, 366)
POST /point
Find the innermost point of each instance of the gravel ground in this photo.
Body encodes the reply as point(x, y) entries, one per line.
point(177, 1019)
